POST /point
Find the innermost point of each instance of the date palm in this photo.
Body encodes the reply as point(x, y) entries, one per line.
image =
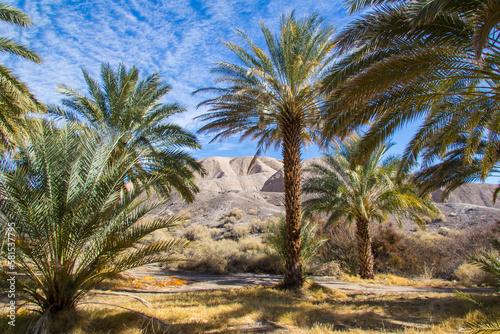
point(15, 99)
point(457, 143)
point(274, 96)
point(126, 105)
point(71, 221)
point(362, 190)
point(412, 58)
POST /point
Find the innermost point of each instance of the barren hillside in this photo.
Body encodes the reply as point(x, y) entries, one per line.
point(258, 192)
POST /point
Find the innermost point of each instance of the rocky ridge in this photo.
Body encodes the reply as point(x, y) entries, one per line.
point(257, 190)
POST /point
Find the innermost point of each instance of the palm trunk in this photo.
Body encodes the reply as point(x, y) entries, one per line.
point(292, 175)
point(364, 249)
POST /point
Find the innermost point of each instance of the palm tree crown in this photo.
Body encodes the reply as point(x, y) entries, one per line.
point(433, 59)
point(274, 97)
point(15, 100)
point(126, 105)
point(361, 190)
point(393, 71)
point(74, 223)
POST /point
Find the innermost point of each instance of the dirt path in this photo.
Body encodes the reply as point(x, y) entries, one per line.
point(204, 282)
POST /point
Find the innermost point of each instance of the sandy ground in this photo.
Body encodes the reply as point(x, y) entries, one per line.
point(206, 282)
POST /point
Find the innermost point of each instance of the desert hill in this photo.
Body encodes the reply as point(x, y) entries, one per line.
point(257, 191)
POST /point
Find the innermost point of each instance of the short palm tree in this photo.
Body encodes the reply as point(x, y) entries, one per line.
point(71, 222)
point(361, 190)
point(274, 97)
point(15, 100)
point(310, 241)
point(131, 107)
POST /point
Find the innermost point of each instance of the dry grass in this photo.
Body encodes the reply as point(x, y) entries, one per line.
point(121, 282)
point(388, 279)
point(316, 310)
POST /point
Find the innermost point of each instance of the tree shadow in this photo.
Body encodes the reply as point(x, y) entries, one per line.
point(268, 310)
point(373, 312)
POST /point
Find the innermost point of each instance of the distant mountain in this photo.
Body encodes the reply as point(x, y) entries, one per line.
point(258, 192)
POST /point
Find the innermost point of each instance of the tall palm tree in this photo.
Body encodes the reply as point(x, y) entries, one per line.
point(274, 97)
point(15, 98)
point(71, 222)
point(361, 190)
point(126, 105)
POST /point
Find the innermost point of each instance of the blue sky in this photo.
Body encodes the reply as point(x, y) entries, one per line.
point(178, 39)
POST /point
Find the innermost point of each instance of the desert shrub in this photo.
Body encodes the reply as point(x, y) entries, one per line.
point(429, 255)
point(469, 274)
point(232, 217)
point(331, 268)
point(228, 256)
point(239, 231)
point(258, 226)
point(197, 232)
point(341, 247)
point(251, 243)
point(252, 212)
point(236, 213)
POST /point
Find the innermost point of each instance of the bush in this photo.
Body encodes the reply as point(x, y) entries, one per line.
point(332, 268)
point(239, 231)
point(340, 247)
point(258, 226)
point(228, 256)
point(236, 213)
point(429, 255)
point(469, 274)
point(198, 232)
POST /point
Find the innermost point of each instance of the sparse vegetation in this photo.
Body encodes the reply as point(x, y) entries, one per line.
point(415, 255)
point(228, 248)
point(363, 189)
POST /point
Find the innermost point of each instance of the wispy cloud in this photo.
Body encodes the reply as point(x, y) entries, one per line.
point(178, 39)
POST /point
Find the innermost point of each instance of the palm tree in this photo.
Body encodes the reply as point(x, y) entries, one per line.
point(15, 100)
point(457, 143)
point(433, 59)
point(403, 61)
point(131, 107)
point(310, 241)
point(275, 97)
point(70, 220)
point(450, 172)
point(363, 191)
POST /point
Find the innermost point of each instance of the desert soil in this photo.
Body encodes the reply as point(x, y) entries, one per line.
point(257, 190)
point(207, 282)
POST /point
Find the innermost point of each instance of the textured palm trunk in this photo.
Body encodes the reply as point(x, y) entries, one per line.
point(364, 249)
point(292, 175)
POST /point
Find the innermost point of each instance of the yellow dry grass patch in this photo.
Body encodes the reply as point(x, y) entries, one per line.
point(142, 283)
point(315, 310)
point(388, 279)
